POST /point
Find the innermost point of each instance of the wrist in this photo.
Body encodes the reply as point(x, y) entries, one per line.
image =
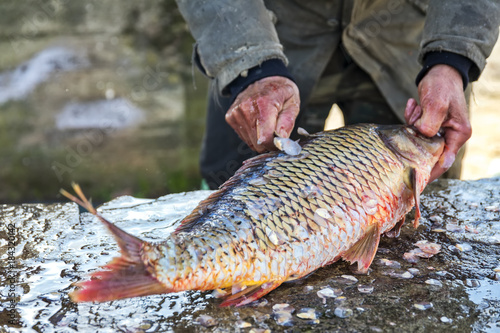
point(271, 67)
point(459, 63)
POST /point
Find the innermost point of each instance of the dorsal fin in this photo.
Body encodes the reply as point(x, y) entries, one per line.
point(205, 205)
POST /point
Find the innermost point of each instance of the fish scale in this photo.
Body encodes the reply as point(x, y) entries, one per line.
point(279, 218)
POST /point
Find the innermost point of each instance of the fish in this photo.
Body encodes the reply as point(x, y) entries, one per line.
point(278, 219)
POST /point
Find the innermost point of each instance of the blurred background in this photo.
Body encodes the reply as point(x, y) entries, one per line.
point(103, 93)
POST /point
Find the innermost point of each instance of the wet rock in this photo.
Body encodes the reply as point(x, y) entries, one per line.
point(57, 246)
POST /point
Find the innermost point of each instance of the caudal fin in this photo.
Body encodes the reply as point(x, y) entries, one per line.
point(124, 277)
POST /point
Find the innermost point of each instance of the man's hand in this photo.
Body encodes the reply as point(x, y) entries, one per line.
point(443, 106)
point(266, 107)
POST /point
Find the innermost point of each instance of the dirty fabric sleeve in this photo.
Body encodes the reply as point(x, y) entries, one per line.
point(466, 28)
point(231, 36)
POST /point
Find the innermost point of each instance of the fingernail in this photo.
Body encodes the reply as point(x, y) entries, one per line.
point(446, 160)
point(261, 140)
point(283, 133)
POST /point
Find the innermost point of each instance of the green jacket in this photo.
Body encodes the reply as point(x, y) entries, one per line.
point(387, 38)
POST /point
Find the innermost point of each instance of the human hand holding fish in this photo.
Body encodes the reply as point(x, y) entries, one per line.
point(267, 107)
point(443, 106)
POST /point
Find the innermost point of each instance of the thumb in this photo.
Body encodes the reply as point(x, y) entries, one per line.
point(434, 112)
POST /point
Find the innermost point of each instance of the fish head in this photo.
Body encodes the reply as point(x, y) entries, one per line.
point(416, 149)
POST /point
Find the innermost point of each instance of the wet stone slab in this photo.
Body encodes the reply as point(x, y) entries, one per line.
point(457, 289)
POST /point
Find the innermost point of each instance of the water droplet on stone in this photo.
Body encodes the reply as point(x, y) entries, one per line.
point(342, 312)
point(365, 289)
point(307, 313)
point(206, 321)
point(434, 282)
point(423, 306)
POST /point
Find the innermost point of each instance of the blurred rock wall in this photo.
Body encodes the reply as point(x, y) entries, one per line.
point(100, 93)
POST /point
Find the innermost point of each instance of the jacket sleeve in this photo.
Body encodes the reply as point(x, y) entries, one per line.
point(466, 28)
point(231, 36)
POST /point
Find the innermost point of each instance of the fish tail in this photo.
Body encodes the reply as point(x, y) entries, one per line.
point(125, 276)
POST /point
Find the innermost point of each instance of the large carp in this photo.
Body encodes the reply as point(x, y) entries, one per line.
point(279, 218)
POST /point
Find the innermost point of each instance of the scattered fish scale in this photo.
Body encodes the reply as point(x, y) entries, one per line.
point(423, 306)
point(434, 282)
point(206, 321)
point(342, 312)
point(308, 313)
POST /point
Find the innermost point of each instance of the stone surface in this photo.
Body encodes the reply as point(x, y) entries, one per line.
point(55, 245)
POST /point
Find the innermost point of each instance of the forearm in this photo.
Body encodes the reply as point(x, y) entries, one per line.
point(232, 36)
point(467, 29)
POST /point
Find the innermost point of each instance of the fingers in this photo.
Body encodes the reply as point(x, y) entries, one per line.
point(268, 106)
point(413, 111)
point(434, 110)
point(443, 106)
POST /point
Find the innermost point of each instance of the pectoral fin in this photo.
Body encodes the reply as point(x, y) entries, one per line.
point(363, 251)
point(394, 232)
point(412, 180)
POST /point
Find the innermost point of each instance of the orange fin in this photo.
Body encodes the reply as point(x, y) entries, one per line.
point(364, 250)
point(127, 276)
point(250, 294)
point(394, 232)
